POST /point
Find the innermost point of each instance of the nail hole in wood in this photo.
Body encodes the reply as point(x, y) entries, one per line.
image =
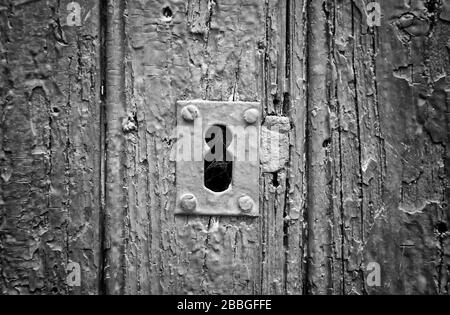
point(167, 12)
point(442, 227)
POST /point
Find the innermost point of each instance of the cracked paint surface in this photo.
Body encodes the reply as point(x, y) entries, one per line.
point(361, 175)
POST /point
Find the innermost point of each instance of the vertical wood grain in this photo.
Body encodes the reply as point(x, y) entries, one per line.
point(49, 147)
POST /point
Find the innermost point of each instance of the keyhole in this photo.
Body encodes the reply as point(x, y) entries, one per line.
point(167, 12)
point(218, 161)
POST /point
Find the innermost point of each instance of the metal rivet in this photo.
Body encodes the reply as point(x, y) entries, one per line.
point(251, 116)
point(188, 203)
point(190, 113)
point(246, 204)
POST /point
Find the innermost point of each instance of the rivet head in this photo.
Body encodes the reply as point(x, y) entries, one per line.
point(188, 203)
point(251, 116)
point(246, 203)
point(190, 113)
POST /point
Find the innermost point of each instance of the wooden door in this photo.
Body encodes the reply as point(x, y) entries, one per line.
point(355, 203)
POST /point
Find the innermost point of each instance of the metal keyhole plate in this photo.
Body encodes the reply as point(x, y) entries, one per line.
point(243, 120)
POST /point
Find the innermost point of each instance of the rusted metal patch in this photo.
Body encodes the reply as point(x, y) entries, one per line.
point(242, 121)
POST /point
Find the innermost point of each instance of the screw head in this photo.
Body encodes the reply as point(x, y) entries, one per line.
point(190, 113)
point(188, 203)
point(251, 116)
point(246, 203)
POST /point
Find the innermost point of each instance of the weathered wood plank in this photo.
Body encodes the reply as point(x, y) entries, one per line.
point(49, 148)
point(115, 204)
point(407, 236)
point(179, 51)
point(295, 214)
point(345, 101)
point(320, 247)
point(387, 97)
point(273, 182)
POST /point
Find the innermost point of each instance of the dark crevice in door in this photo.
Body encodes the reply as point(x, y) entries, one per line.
point(287, 102)
point(102, 140)
point(306, 287)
